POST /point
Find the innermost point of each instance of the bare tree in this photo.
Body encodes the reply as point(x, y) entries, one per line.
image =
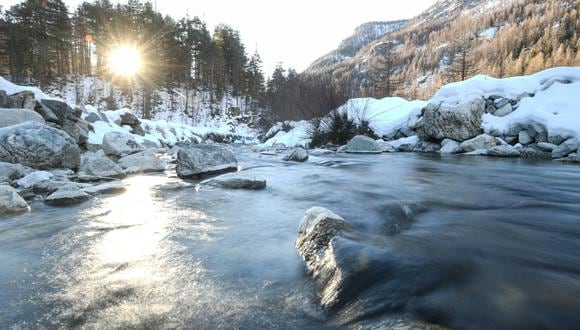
point(384, 67)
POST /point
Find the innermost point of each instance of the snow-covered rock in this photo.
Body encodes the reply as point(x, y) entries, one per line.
point(204, 159)
point(120, 144)
point(525, 138)
point(405, 144)
point(361, 144)
point(10, 201)
point(9, 117)
point(458, 122)
point(450, 147)
point(297, 136)
point(38, 146)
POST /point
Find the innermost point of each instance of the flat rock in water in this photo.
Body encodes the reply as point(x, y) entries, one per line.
point(145, 161)
point(235, 181)
point(297, 155)
point(204, 159)
point(361, 144)
point(67, 196)
point(113, 187)
point(10, 201)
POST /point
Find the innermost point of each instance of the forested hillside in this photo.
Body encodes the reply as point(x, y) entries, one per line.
point(456, 39)
point(46, 43)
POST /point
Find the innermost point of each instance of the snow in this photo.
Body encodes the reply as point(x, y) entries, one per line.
point(488, 33)
point(34, 178)
point(411, 140)
point(555, 108)
point(11, 89)
point(296, 137)
point(385, 116)
point(485, 86)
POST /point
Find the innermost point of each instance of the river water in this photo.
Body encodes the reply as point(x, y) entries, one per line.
point(501, 236)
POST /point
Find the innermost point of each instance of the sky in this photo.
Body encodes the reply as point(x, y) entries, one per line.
point(293, 32)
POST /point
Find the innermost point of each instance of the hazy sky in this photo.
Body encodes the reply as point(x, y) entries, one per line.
point(295, 32)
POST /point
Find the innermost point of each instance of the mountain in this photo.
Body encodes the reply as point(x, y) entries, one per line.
point(500, 38)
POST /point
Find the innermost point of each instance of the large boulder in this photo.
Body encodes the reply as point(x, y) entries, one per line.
point(297, 155)
point(361, 144)
point(120, 144)
point(98, 164)
point(480, 142)
point(10, 117)
point(22, 100)
point(60, 109)
point(10, 201)
point(145, 162)
point(204, 159)
point(38, 146)
point(460, 122)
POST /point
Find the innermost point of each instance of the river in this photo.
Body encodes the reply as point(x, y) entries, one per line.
point(500, 236)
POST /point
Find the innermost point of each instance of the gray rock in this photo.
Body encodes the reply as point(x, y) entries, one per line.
point(61, 110)
point(10, 172)
point(145, 161)
point(556, 139)
point(113, 187)
point(120, 144)
point(501, 102)
point(38, 146)
point(525, 138)
point(93, 118)
point(572, 158)
point(361, 144)
point(386, 146)
point(504, 111)
point(569, 146)
point(34, 178)
point(10, 117)
point(203, 159)
point(532, 152)
point(235, 181)
point(50, 186)
point(321, 152)
point(297, 155)
point(547, 147)
point(459, 123)
point(510, 139)
point(482, 141)
point(66, 196)
point(450, 147)
point(406, 131)
point(504, 150)
point(46, 113)
point(427, 147)
point(10, 201)
point(22, 100)
point(3, 99)
point(98, 164)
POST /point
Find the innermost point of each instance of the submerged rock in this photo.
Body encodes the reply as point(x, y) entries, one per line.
point(297, 155)
point(361, 144)
point(10, 201)
point(38, 146)
point(204, 159)
point(235, 181)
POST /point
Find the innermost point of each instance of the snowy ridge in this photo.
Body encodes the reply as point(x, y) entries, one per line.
point(11, 89)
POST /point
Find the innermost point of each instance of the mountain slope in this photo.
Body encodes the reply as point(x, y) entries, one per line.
point(501, 37)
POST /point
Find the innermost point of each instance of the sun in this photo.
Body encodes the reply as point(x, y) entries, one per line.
point(125, 61)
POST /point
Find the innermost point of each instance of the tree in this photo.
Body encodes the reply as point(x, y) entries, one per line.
point(385, 82)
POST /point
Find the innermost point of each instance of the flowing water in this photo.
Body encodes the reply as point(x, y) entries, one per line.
point(494, 243)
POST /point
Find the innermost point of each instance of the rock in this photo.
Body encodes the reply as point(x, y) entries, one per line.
point(113, 187)
point(38, 146)
point(510, 139)
point(525, 138)
point(321, 152)
point(504, 150)
point(34, 178)
point(569, 146)
point(66, 196)
point(130, 119)
point(361, 144)
point(10, 201)
point(145, 161)
point(572, 158)
point(297, 155)
point(385, 146)
point(450, 147)
point(22, 100)
point(482, 141)
point(459, 123)
point(504, 111)
point(203, 159)
point(427, 147)
point(477, 152)
point(538, 132)
point(10, 117)
point(532, 152)
point(407, 144)
point(98, 164)
point(46, 113)
point(61, 110)
point(501, 102)
point(235, 181)
point(3, 99)
point(78, 130)
point(546, 147)
point(120, 144)
point(10, 172)
point(50, 186)
point(556, 139)
point(93, 118)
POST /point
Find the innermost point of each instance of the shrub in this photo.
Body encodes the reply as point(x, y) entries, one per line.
point(337, 128)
